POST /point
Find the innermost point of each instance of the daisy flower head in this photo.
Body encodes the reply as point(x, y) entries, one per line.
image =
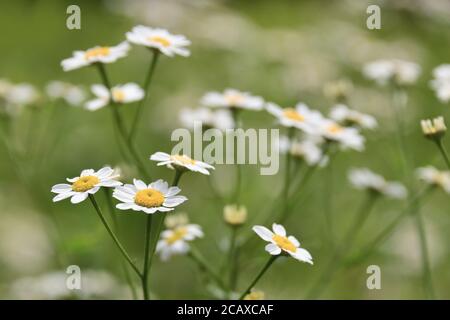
point(22, 94)
point(280, 243)
point(364, 179)
point(441, 82)
point(176, 220)
point(157, 196)
point(300, 117)
point(72, 94)
point(399, 72)
point(346, 137)
point(122, 93)
point(235, 215)
point(348, 117)
point(159, 39)
point(181, 162)
point(220, 119)
point(88, 183)
point(232, 98)
point(98, 54)
point(307, 149)
point(176, 241)
point(433, 129)
point(434, 177)
point(255, 295)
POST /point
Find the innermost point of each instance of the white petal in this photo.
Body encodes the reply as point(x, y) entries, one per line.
point(79, 197)
point(279, 229)
point(62, 187)
point(263, 232)
point(174, 201)
point(273, 249)
point(63, 196)
point(139, 184)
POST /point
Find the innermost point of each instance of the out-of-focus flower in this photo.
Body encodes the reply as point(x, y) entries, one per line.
point(279, 243)
point(89, 182)
point(72, 94)
point(157, 196)
point(159, 39)
point(338, 90)
point(122, 93)
point(348, 117)
point(96, 54)
point(22, 94)
point(181, 162)
point(364, 179)
point(441, 82)
point(175, 241)
point(433, 128)
point(300, 117)
point(434, 177)
point(176, 220)
point(307, 149)
point(235, 215)
point(232, 98)
point(346, 137)
point(220, 119)
point(255, 295)
point(399, 72)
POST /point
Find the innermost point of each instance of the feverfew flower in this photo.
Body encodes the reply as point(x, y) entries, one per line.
point(157, 196)
point(235, 215)
point(89, 182)
point(300, 117)
point(306, 149)
point(175, 241)
point(400, 72)
point(159, 39)
point(433, 128)
point(346, 137)
point(434, 177)
point(232, 98)
point(122, 93)
point(365, 179)
point(279, 243)
point(220, 119)
point(96, 54)
point(181, 162)
point(441, 82)
point(348, 117)
point(72, 94)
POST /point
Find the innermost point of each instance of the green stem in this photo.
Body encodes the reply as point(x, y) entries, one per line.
point(328, 201)
point(113, 236)
point(147, 82)
point(443, 152)
point(231, 255)
point(260, 274)
point(146, 257)
point(427, 279)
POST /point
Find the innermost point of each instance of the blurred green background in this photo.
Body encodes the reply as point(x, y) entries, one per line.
point(284, 51)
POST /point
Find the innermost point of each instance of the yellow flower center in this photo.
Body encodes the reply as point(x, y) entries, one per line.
point(96, 52)
point(182, 159)
point(177, 234)
point(234, 99)
point(118, 95)
point(85, 183)
point(292, 114)
point(334, 128)
point(162, 41)
point(149, 198)
point(284, 243)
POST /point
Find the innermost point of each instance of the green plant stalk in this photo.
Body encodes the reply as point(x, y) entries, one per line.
point(328, 201)
point(146, 257)
point(260, 274)
point(232, 256)
point(443, 151)
point(427, 279)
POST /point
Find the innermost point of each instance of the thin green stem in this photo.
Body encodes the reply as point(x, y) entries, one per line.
point(113, 236)
point(146, 86)
point(328, 202)
point(231, 255)
point(427, 279)
point(443, 151)
point(260, 274)
point(146, 257)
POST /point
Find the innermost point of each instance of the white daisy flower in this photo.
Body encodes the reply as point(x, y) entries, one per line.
point(122, 93)
point(157, 196)
point(279, 243)
point(398, 71)
point(300, 117)
point(434, 177)
point(22, 94)
point(441, 82)
point(364, 179)
point(232, 98)
point(348, 117)
point(89, 182)
point(182, 162)
point(306, 149)
point(434, 128)
point(234, 214)
point(175, 241)
point(220, 119)
point(72, 94)
point(160, 39)
point(345, 136)
point(96, 54)
point(175, 220)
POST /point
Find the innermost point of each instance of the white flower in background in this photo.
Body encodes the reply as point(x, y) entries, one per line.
point(279, 243)
point(400, 72)
point(176, 220)
point(348, 117)
point(122, 93)
point(175, 241)
point(346, 137)
point(255, 295)
point(441, 82)
point(220, 119)
point(160, 39)
point(235, 215)
point(157, 196)
point(338, 90)
point(300, 117)
point(434, 177)
point(182, 162)
point(364, 179)
point(232, 98)
point(307, 149)
point(5, 86)
point(72, 94)
point(433, 128)
point(22, 94)
point(96, 54)
point(89, 182)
